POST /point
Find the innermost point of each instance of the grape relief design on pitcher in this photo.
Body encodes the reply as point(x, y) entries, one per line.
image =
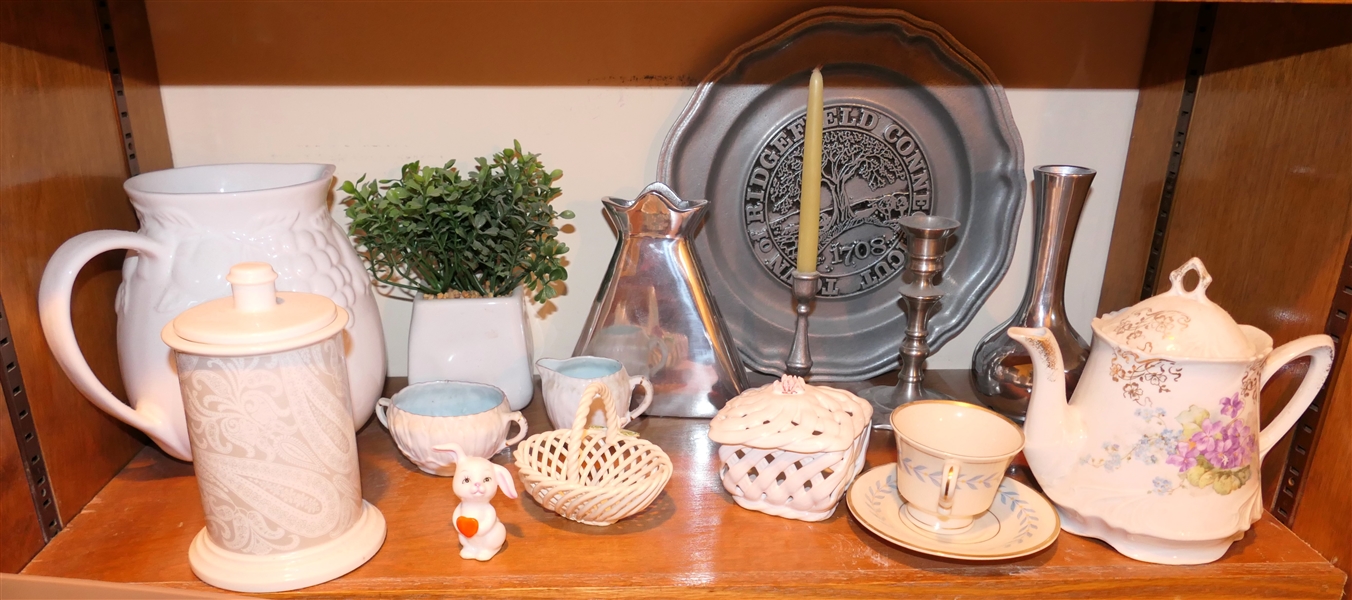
point(1202, 449)
point(306, 248)
point(275, 456)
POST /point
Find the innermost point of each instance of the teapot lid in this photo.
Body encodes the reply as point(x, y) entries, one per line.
point(255, 319)
point(1179, 322)
point(791, 415)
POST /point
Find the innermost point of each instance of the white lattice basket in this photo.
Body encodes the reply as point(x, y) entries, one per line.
point(791, 449)
point(592, 476)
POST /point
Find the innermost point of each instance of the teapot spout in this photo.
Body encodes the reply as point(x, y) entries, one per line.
point(1048, 426)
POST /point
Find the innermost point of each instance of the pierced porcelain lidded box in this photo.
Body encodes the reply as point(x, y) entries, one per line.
point(791, 449)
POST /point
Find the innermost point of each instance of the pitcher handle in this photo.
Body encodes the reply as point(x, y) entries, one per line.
point(521, 424)
point(58, 280)
point(1320, 350)
point(647, 387)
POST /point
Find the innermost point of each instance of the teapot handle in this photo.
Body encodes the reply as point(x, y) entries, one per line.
point(58, 280)
point(1320, 350)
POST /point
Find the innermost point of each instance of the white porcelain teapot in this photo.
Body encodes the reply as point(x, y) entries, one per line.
point(1159, 450)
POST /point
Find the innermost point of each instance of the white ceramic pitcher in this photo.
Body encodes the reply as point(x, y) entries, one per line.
point(197, 222)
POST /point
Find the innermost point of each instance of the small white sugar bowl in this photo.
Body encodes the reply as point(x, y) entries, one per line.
point(791, 449)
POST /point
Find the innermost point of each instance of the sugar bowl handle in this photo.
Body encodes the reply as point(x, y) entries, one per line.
point(383, 405)
point(515, 416)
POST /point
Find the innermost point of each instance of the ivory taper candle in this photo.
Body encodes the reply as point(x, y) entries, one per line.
point(810, 197)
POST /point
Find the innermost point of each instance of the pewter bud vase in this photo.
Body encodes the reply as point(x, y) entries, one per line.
point(1001, 367)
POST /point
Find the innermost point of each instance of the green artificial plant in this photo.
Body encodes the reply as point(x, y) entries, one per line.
point(439, 233)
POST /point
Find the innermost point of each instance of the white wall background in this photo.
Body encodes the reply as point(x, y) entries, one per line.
point(606, 141)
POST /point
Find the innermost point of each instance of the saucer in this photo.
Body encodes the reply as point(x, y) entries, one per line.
point(1021, 522)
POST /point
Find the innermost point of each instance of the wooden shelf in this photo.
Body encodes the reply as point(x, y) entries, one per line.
point(692, 541)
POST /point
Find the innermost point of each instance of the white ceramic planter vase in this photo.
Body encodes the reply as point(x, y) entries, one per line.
point(480, 340)
point(195, 223)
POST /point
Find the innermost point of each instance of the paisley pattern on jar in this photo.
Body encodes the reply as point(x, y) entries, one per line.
point(273, 447)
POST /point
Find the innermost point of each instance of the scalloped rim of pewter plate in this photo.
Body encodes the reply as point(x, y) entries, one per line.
point(994, 190)
point(898, 533)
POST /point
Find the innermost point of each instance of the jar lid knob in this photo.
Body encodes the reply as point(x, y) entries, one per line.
point(254, 287)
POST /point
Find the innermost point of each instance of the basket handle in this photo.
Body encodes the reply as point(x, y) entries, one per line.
point(580, 421)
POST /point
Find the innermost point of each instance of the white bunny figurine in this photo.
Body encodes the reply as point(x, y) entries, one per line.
point(476, 482)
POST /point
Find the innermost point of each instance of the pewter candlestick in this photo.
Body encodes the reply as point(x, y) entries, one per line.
point(926, 245)
point(799, 361)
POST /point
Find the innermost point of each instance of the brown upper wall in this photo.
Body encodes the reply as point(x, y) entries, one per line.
point(570, 43)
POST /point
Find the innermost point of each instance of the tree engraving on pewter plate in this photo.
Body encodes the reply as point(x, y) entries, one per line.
point(874, 172)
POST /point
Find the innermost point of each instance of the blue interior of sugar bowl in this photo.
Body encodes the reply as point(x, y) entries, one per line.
point(448, 398)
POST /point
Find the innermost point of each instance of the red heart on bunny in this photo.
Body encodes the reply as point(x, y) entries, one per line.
point(467, 526)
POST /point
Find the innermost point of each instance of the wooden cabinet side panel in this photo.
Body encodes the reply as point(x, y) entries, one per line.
point(141, 81)
point(1321, 517)
point(1152, 139)
point(61, 173)
point(19, 527)
point(1264, 193)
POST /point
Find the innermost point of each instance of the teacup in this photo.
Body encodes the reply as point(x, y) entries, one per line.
point(563, 381)
point(423, 415)
point(951, 458)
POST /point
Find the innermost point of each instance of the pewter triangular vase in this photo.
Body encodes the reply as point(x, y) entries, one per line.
point(654, 312)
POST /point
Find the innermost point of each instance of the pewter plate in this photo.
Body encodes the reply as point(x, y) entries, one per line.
point(914, 123)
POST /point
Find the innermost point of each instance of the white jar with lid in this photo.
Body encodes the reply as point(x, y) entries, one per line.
point(269, 411)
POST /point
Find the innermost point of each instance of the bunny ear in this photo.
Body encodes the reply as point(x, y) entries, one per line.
point(505, 482)
point(456, 451)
